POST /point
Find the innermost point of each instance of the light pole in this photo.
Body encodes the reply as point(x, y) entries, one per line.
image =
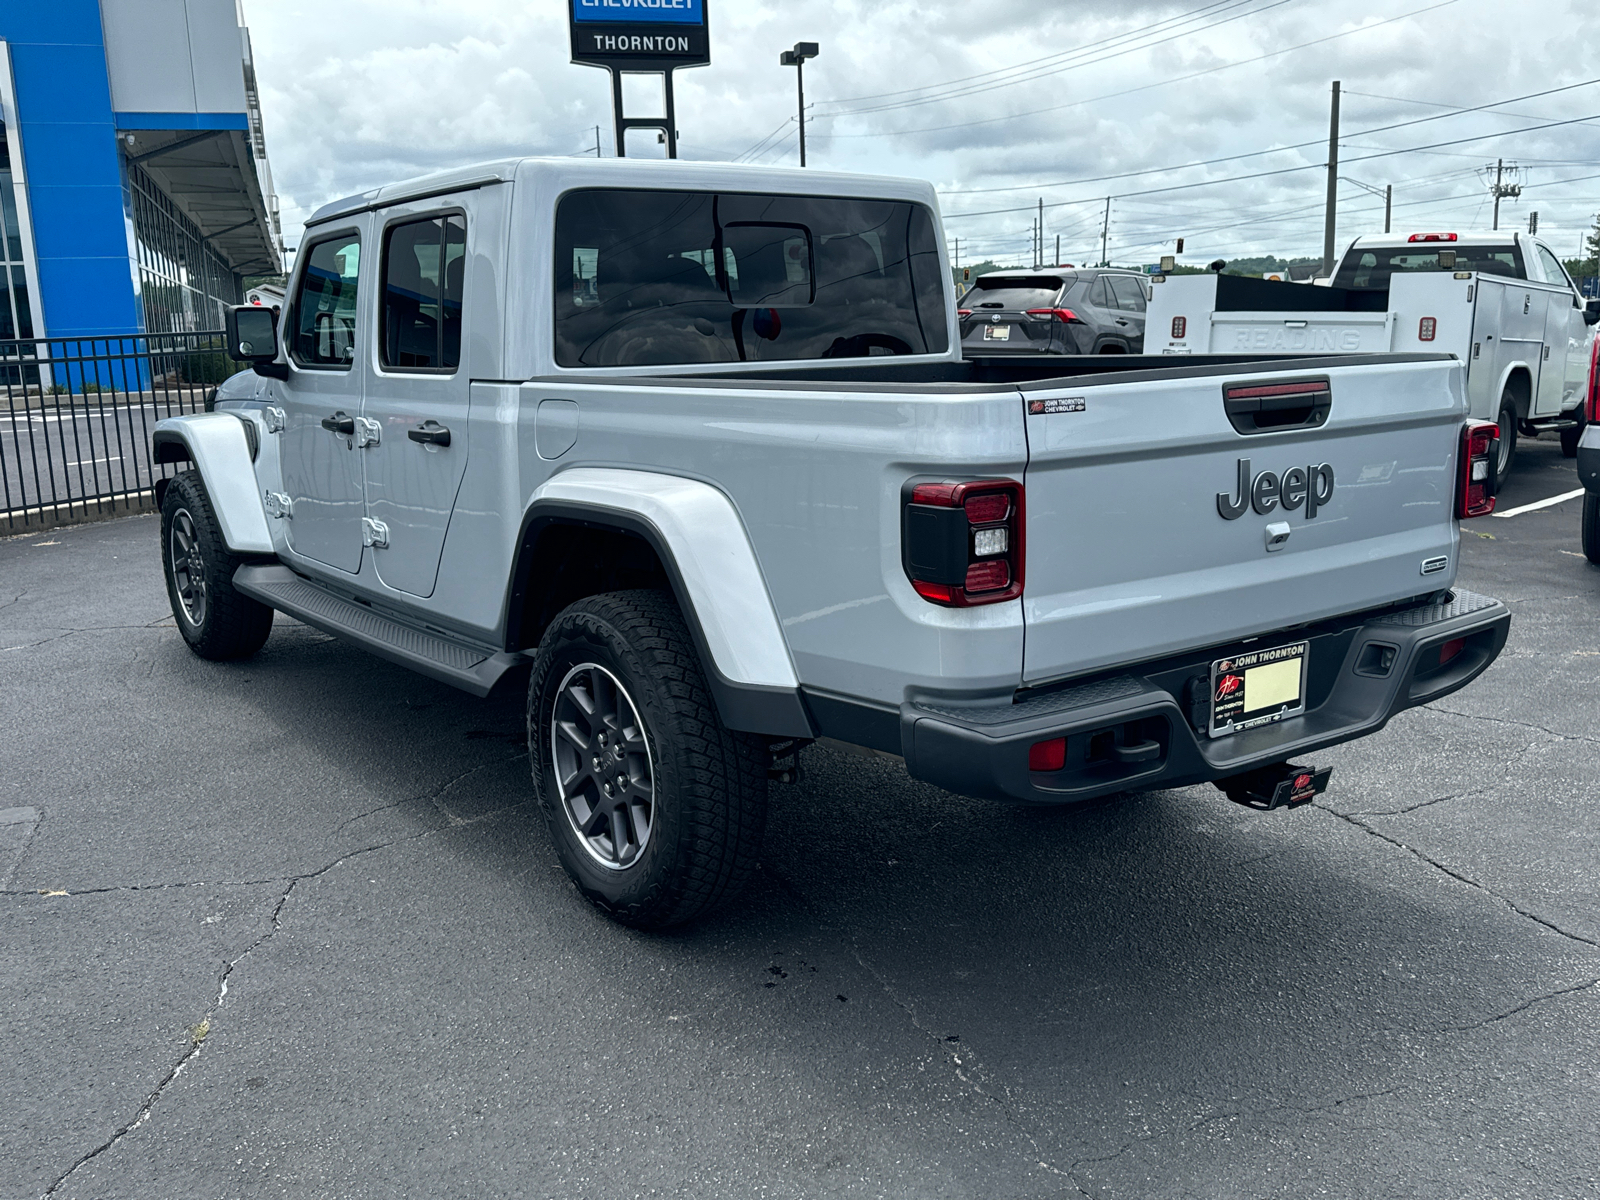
point(796, 58)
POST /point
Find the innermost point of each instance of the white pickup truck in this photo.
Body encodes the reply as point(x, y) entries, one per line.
point(694, 446)
point(1500, 302)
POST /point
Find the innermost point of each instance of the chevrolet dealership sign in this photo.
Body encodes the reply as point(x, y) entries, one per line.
point(640, 34)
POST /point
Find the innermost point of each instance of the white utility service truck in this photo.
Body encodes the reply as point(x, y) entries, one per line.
point(1500, 302)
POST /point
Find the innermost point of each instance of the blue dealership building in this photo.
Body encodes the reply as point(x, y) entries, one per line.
point(134, 183)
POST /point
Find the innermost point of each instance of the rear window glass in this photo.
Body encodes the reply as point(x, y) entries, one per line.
point(1022, 293)
point(1370, 269)
point(658, 277)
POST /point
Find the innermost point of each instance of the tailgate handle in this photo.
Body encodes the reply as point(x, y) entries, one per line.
point(1271, 407)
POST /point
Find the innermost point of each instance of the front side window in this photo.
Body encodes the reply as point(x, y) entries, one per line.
point(659, 277)
point(1553, 270)
point(423, 266)
point(324, 330)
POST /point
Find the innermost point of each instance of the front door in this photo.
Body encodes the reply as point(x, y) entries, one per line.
point(321, 400)
point(417, 394)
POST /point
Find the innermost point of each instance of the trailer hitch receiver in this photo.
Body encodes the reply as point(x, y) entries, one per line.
point(1281, 785)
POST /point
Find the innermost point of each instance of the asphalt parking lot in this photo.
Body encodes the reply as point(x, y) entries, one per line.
point(293, 928)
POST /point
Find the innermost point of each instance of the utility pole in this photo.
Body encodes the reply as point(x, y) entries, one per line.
point(1507, 190)
point(1057, 262)
point(597, 141)
point(1388, 204)
point(958, 254)
point(1105, 232)
point(796, 58)
point(1041, 231)
point(1333, 183)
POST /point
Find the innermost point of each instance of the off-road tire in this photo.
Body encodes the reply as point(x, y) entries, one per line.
point(1591, 527)
point(709, 783)
point(1569, 441)
point(1508, 438)
point(225, 624)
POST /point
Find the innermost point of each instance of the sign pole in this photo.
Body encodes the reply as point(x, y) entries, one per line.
point(608, 34)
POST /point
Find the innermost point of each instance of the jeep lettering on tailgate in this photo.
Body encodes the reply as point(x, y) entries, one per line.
point(1311, 486)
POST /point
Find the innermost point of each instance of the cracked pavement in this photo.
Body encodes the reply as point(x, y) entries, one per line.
point(293, 927)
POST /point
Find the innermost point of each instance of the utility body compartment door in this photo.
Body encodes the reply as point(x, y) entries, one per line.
point(1131, 554)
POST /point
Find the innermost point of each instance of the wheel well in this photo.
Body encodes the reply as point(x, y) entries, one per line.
point(1520, 385)
point(563, 561)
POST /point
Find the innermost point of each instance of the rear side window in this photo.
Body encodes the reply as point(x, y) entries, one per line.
point(1130, 296)
point(657, 277)
point(1100, 293)
point(1370, 270)
point(1018, 293)
point(324, 330)
point(423, 265)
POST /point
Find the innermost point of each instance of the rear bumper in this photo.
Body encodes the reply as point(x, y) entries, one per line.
point(982, 750)
point(1589, 458)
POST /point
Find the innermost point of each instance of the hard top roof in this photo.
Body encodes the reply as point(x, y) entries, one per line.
point(632, 172)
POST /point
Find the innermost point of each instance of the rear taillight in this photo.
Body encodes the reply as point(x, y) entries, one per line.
point(1180, 326)
point(1480, 445)
point(1064, 315)
point(1426, 329)
point(961, 543)
point(963, 312)
point(1592, 404)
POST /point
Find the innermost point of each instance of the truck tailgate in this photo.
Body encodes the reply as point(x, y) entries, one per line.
point(1130, 555)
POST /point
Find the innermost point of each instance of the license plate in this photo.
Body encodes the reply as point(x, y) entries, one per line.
point(997, 333)
point(1258, 688)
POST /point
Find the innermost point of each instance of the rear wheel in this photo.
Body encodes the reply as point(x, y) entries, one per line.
point(655, 807)
point(1591, 527)
point(217, 622)
point(1508, 436)
point(1569, 441)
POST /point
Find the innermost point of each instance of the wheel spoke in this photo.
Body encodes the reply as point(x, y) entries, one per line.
point(602, 765)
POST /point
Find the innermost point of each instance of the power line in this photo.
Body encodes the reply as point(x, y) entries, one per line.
point(1143, 87)
point(1291, 170)
point(1259, 153)
point(1045, 73)
point(1000, 71)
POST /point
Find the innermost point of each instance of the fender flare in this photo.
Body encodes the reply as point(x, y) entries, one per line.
point(219, 447)
point(1524, 408)
point(701, 542)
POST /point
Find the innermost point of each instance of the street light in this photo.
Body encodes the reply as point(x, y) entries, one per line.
point(796, 58)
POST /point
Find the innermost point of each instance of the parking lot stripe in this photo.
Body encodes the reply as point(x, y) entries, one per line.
point(1565, 496)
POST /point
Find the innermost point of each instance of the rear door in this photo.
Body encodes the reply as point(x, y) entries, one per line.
point(1137, 544)
point(417, 390)
point(1129, 293)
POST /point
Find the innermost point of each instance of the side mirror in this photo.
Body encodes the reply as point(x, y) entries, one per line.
point(252, 334)
point(1591, 312)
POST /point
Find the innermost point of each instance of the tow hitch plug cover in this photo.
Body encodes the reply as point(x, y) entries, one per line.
point(1277, 535)
point(1282, 785)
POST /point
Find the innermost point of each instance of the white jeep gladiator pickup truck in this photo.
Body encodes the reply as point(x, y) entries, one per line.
point(1501, 302)
point(696, 445)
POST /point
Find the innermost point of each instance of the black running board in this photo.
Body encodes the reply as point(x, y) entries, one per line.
point(460, 664)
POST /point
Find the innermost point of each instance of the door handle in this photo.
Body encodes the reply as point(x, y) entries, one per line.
point(1120, 321)
point(340, 423)
point(430, 433)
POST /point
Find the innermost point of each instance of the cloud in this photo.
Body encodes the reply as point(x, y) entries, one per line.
point(362, 92)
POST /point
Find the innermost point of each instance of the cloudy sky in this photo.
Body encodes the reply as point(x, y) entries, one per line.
point(1000, 103)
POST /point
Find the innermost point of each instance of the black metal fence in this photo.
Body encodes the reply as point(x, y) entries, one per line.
point(76, 416)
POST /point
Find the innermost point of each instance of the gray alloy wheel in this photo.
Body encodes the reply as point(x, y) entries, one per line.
point(1508, 438)
point(188, 568)
point(603, 769)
